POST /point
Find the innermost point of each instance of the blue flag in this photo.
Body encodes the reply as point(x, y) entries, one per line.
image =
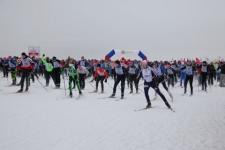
point(142, 55)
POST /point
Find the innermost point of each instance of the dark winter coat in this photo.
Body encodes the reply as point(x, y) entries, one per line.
point(222, 67)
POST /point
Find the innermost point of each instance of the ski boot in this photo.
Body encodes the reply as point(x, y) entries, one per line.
point(112, 96)
point(148, 106)
point(80, 93)
point(20, 91)
point(71, 95)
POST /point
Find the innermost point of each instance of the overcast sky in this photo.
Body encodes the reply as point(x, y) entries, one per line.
point(161, 28)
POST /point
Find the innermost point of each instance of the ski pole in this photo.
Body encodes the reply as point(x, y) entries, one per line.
point(109, 85)
point(64, 83)
point(91, 85)
point(41, 84)
point(141, 90)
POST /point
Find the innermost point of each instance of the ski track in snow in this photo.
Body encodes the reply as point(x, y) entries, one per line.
point(49, 120)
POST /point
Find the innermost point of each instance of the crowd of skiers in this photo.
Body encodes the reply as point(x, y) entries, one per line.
point(167, 73)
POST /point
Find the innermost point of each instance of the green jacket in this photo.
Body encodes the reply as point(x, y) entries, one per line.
point(48, 66)
point(72, 71)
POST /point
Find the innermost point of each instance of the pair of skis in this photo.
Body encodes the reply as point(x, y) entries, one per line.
point(148, 108)
point(110, 97)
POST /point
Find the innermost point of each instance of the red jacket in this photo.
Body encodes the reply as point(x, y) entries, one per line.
point(26, 64)
point(101, 72)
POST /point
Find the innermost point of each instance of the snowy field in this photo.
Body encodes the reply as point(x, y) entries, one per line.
point(40, 120)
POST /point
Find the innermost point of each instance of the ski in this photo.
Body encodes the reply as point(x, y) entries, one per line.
point(119, 99)
point(109, 97)
point(24, 92)
point(101, 93)
point(172, 110)
point(141, 109)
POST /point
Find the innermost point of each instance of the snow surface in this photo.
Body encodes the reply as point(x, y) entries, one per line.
point(40, 120)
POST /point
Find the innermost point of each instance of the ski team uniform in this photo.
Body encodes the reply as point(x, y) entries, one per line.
point(120, 76)
point(56, 73)
point(189, 78)
point(182, 74)
point(48, 68)
point(83, 73)
point(204, 74)
point(26, 66)
point(160, 72)
point(73, 77)
point(221, 69)
point(170, 73)
point(148, 76)
point(132, 77)
point(12, 68)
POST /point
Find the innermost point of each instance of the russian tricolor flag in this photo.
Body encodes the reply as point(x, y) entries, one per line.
point(110, 54)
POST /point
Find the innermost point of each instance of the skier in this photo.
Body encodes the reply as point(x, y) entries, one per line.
point(73, 77)
point(198, 73)
point(132, 76)
point(170, 73)
point(212, 73)
point(76, 66)
point(204, 74)
point(175, 71)
point(138, 67)
point(113, 71)
point(218, 72)
point(189, 70)
point(222, 74)
point(182, 73)
point(120, 76)
point(5, 66)
point(35, 68)
point(100, 75)
point(108, 67)
point(160, 73)
point(12, 68)
point(83, 73)
point(83, 62)
point(149, 82)
point(48, 68)
point(26, 67)
point(56, 72)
